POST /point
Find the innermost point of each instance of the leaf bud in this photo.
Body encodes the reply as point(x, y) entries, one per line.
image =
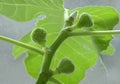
point(70, 20)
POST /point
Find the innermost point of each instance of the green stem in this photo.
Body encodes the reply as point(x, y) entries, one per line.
point(94, 33)
point(44, 75)
point(21, 44)
point(61, 37)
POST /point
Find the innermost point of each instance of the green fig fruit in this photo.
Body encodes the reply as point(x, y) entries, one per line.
point(65, 66)
point(38, 35)
point(85, 20)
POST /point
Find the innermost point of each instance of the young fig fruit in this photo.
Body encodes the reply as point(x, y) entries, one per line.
point(85, 20)
point(38, 35)
point(65, 66)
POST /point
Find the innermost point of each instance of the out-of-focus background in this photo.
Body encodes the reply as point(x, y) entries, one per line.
point(13, 71)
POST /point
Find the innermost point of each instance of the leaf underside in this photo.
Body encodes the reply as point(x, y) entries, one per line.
point(81, 50)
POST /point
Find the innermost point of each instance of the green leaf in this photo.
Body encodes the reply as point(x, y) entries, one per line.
point(32, 61)
point(53, 21)
point(105, 18)
point(24, 10)
point(109, 51)
point(79, 49)
point(83, 53)
point(17, 50)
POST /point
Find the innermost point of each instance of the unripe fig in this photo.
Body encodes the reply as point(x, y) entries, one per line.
point(38, 35)
point(65, 66)
point(85, 20)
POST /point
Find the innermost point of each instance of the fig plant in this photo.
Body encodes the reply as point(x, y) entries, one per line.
point(65, 43)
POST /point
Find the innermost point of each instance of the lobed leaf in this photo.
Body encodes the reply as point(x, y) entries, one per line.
point(105, 18)
point(52, 22)
point(80, 49)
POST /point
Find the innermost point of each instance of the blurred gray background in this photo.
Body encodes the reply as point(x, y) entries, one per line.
point(13, 71)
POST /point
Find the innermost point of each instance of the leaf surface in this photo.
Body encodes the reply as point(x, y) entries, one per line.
point(25, 10)
point(81, 50)
point(32, 61)
point(105, 18)
point(53, 19)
